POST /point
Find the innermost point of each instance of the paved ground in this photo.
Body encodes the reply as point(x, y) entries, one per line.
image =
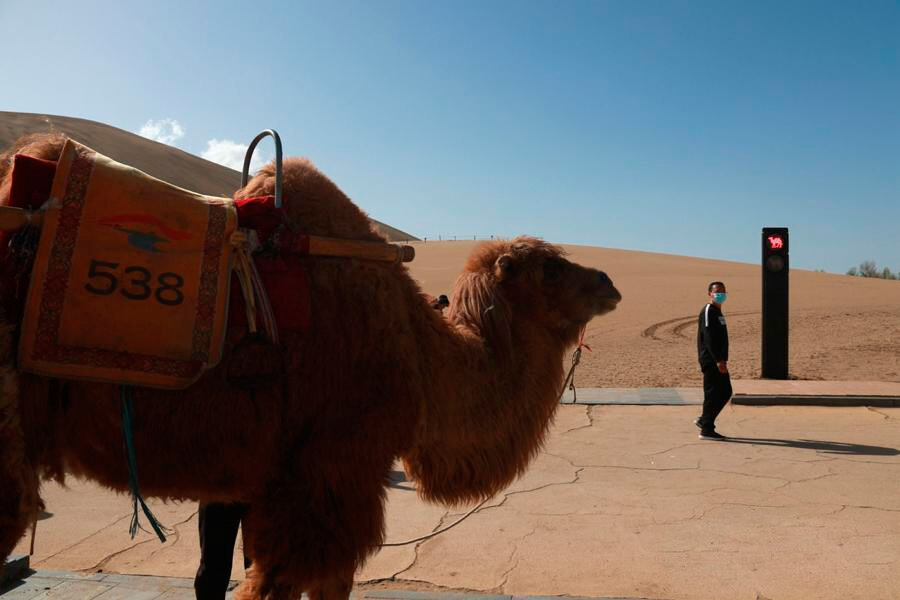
point(625, 501)
point(65, 585)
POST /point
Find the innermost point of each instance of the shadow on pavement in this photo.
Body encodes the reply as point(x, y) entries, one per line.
point(8, 584)
point(827, 447)
point(396, 478)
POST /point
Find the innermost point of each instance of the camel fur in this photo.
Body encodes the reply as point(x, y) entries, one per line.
point(464, 400)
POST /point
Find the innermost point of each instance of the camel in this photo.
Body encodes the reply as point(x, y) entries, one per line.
point(463, 399)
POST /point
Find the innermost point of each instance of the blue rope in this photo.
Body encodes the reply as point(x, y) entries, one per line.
point(126, 392)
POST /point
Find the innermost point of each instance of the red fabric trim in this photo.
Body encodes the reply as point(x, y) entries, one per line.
point(32, 179)
point(259, 213)
point(300, 244)
point(286, 283)
point(209, 283)
point(581, 343)
point(284, 276)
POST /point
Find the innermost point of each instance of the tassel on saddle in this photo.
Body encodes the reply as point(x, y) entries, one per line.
point(256, 361)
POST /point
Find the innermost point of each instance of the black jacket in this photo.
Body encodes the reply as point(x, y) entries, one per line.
point(712, 336)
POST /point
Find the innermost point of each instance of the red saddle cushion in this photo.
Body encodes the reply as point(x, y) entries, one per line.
point(32, 179)
point(283, 276)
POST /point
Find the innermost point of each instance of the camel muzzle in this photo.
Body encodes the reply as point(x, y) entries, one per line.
point(606, 296)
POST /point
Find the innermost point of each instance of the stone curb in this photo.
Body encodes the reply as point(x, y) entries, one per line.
point(408, 595)
point(759, 400)
point(694, 396)
point(634, 396)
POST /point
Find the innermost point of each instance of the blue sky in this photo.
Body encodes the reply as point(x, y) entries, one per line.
point(676, 127)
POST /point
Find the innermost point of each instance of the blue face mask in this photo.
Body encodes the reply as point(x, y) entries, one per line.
point(720, 297)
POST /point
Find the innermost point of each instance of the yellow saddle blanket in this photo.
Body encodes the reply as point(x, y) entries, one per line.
point(131, 278)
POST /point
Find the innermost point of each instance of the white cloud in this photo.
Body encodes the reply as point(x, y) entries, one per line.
point(166, 131)
point(231, 154)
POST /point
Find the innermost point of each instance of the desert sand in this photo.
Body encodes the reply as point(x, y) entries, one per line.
point(841, 327)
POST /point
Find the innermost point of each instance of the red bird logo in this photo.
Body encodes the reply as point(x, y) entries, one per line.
point(142, 237)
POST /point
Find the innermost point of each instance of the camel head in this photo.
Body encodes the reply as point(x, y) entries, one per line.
point(487, 419)
point(527, 279)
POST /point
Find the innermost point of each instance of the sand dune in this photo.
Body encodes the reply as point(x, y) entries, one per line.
point(842, 328)
point(160, 160)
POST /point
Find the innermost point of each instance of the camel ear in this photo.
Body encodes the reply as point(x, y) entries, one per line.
point(504, 267)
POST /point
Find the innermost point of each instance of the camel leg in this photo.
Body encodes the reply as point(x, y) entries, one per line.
point(316, 523)
point(249, 588)
point(335, 588)
point(262, 584)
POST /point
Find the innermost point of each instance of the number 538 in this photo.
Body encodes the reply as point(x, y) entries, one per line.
point(135, 284)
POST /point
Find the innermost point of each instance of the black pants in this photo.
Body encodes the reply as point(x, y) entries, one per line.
point(218, 531)
point(716, 394)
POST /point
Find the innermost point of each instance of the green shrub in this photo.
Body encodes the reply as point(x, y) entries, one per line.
point(868, 268)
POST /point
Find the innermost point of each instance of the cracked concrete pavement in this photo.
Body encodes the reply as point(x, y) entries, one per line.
point(623, 501)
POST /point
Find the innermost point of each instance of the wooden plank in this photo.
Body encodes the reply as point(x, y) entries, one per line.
point(324, 246)
point(148, 582)
point(73, 590)
point(177, 594)
point(29, 588)
point(74, 575)
point(122, 592)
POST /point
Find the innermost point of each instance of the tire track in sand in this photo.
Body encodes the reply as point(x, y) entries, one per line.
point(679, 324)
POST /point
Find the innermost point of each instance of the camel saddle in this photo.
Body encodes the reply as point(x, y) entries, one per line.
point(131, 277)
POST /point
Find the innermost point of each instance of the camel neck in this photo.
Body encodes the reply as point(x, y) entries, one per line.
point(485, 415)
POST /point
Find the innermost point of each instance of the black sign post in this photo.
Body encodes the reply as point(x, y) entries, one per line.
point(775, 269)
